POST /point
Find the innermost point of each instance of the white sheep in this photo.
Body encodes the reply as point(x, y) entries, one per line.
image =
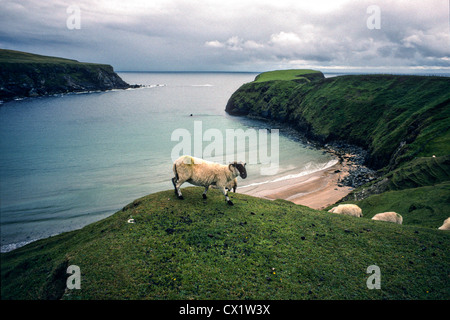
point(232, 185)
point(204, 173)
point(347, 209)
point(445, 225)
point(389, 217)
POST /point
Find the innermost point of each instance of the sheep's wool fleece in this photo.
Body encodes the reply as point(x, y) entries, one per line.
point(347, 209)
point(205, 175)
point(445, 225)
point(389, 216)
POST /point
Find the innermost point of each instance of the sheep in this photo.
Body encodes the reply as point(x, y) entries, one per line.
point(347, 209)
point(205, 173)
point(388, 216)
point(445, 225)
point(232, 185)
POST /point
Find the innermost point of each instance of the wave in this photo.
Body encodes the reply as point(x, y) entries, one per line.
point(202, 85)
point(146, 86)
point(13, 246)
point(307, 170)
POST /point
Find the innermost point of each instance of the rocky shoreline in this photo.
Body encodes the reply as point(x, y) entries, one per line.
point(358, 173)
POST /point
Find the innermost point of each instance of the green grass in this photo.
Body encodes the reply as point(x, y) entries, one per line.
point(256, 249)
point(419, 172)
point(24, 63)
point(12, 56)
point(289, 75)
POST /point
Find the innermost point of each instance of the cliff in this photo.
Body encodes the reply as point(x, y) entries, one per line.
point(30, 75)
point(402, 122)
point(395, 118)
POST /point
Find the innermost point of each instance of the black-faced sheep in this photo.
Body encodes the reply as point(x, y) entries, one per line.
point(389, 217)
point(445, 225)
point(347, 209)
point(205, 173)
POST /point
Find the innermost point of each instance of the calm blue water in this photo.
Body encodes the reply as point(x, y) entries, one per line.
point(67, 161)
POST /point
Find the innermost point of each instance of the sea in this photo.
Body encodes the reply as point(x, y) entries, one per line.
point(72, 159)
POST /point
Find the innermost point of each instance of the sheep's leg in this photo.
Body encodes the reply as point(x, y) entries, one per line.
point(204, 192)
point(225, 193)
point(177, 186)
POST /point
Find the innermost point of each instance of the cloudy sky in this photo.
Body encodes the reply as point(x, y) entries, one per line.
point(234, 35)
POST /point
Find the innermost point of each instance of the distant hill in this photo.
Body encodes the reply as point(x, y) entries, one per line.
point(30, 75)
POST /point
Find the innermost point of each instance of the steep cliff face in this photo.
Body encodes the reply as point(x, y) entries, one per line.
point(28, 75)
point(395, 118)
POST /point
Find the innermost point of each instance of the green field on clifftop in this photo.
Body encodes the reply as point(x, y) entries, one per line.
point(205, 249)
point(24, 74)
point(288, 75)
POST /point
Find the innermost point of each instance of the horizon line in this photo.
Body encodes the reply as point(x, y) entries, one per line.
point(343, 71)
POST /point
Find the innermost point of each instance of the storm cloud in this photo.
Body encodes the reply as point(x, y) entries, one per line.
point(159, 35)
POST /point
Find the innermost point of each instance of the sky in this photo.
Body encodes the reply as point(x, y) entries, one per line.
point(235, 35)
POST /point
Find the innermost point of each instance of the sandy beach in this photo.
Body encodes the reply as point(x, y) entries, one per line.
point(316, 190)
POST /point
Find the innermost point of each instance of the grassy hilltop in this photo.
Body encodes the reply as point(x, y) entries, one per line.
point(257, 249)
point(261, 249)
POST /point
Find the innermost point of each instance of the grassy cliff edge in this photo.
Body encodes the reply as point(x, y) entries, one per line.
point(204, 249)
point(29, 75)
